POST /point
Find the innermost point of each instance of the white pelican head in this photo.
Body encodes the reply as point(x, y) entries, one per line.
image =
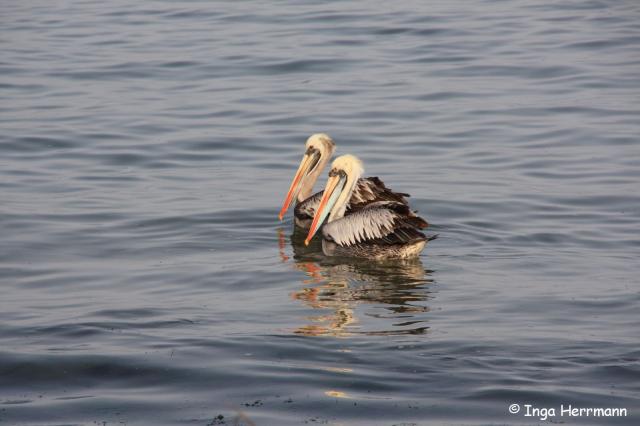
point(319, 150)
point(343, 177)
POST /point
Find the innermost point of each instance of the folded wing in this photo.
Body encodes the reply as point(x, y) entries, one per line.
point(380, 222)
point(368, 190)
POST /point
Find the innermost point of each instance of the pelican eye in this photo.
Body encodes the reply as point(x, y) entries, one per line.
point(311, 150)
point(343, 174)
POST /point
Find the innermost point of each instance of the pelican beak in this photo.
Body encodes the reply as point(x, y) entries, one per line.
point(309, 160)
point(329, 198)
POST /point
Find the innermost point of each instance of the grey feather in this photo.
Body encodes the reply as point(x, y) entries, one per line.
point(367, 190)
point(382, 222)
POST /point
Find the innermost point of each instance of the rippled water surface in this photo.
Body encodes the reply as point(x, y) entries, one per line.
point(146, 147)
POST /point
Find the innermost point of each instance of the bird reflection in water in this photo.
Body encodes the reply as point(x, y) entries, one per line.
point(358, 296)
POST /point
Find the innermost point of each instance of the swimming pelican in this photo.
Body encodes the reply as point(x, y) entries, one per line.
point(380, 230)
point(319, 150)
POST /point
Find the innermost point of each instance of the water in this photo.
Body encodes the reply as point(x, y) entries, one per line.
point(145, 152)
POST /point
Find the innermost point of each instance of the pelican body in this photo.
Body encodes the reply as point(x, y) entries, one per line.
point(319, 150)
point(380, 230)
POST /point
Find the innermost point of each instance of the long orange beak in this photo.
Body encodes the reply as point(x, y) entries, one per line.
point(303, 169)
point(318, 218)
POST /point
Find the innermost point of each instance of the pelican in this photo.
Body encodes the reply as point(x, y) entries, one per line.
point(319, 150)
point(380, 230)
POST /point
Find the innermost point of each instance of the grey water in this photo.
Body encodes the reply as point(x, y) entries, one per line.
point(146, 148)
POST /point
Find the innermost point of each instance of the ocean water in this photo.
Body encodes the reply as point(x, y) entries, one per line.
point(146, 148)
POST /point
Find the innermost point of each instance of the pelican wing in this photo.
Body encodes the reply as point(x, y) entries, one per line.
point(307, 208)
point(372, 189)
point(367, 191)
point(381, 222)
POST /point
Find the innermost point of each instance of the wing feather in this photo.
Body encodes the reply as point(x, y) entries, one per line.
point(381, 222)
point(368, 190)
point(373, 189)
point(307, 208)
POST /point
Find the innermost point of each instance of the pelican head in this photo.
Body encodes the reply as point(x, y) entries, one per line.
point(319, 150)
point(343, 177)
